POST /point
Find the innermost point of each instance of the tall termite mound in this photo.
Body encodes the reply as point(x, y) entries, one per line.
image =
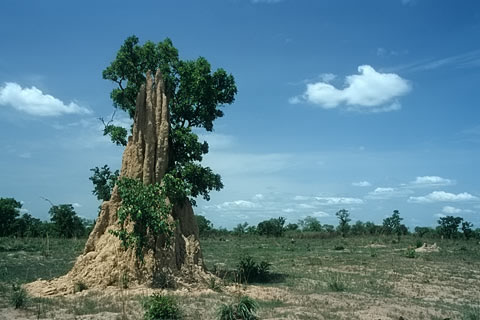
point(104, 261)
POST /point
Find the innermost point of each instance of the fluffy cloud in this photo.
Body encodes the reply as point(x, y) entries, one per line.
point(369, 90)
point(431, 181)
point(451, 210)
point(320, 214)
point(338, 200)
point(361, 184)
point(442, 196)
point(33, 101)
point(387, 193)
point(238, 204)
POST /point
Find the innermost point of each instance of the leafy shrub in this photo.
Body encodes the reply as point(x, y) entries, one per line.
point(272, 227)
point(410, 253)
point(250, 271)
point(418, 243)
point(18, 297)
point(471, 313)
point(335, 283)
point(158, 307)
point(243, 310)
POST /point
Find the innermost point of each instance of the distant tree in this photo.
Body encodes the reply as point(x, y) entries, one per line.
point(240, 229)
point(358, 228)
point(9, 211)
point(204, 225)
point(343, 220)
point(371, 228)
point(310, 224)
point(467, 229)
point(28, 226)
point(291, 227)
point(272, 227)
point(448, 226)
point(392, 225)
point(422, 231)
point(328, 228)
point(66, 221)
point(103, 180)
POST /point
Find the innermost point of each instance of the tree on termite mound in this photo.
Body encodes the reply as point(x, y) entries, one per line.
point(195, 95)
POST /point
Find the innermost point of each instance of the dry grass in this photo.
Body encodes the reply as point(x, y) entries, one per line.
point(370, 279)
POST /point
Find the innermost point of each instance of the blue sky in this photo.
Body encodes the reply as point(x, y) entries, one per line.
point(370, 106)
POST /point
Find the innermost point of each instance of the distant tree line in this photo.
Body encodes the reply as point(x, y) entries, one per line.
point(64, 222)
point(448, 228)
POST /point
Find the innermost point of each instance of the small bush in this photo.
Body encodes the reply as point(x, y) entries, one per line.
point(158, 307)
point(471, 313)
point(410, 253)
point(243, 310)
point(79, 286)
point(250, 271)
point(419, 243)
point(18, 297)
point(335, 283)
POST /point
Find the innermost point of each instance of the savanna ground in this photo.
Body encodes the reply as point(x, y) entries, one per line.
point(351, 278)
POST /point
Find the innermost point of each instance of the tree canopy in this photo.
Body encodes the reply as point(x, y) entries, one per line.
point(196, 95)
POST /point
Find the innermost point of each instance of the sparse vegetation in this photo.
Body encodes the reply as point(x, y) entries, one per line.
point(249, 270)
point(244, 309)
point(161, 307)
point(18, 296)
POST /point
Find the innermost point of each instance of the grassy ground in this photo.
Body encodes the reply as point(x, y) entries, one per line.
point(370, 278)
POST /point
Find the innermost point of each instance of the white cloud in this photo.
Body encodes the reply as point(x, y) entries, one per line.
point(431, 181)
point(338, 200)
point(76, 205)
point(33, 101)
point(368, 91)
point(439, 215)
point(320, 214)
point(258, 196)
point(451, 210)
point(306, 206)
point(238, 204)
point(288, 210)
point(361, 184)
point(387, 193)
point(300, 198)
point(442, 196)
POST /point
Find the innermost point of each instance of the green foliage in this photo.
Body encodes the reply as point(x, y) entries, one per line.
point(145, 206)
point(204, 225)
point(392, 225)
point(249, 270)
point(343, 220)
point(336, 283)
point(467, 229)
point(272, 227)
point(410, 253)
point(240, 229)
point(103, 180)
point(159, 307)
point(67, 223)
point(448, 226)
point(471, 313)
point(9, 211)
point(196, 95)
point(291, 227)
point(310, 224)
point(117, 134)
point(244, 309)
point(18, 297)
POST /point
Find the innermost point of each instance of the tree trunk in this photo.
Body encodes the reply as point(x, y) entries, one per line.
point(104, 261)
